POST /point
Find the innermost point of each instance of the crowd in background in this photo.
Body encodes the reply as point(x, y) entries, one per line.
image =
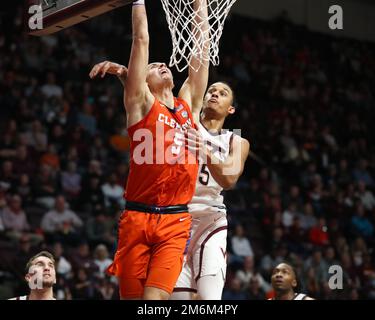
point(304, 100)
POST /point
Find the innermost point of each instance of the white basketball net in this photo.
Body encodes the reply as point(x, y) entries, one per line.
point(182, 24)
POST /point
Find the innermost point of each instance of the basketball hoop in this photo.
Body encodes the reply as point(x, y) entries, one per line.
point(180, 18)
point(187, 39)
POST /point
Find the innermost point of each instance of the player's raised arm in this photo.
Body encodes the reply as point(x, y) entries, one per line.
point(113, 68)
point(138, 97)
point(227, 172)
point(193, 89)
point(102, 68)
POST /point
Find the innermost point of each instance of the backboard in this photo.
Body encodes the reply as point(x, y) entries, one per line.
point(44, 17)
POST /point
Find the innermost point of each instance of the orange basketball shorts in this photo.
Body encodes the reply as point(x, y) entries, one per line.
point(150, 251)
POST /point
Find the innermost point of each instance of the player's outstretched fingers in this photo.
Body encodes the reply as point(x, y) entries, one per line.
point(95, 70)
point(105, 68)
point(193, 140)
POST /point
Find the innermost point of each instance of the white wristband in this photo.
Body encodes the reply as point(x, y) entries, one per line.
point(138, 2)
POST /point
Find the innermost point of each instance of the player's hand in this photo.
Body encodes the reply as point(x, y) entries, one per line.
point(194, 142)
point(109, 67)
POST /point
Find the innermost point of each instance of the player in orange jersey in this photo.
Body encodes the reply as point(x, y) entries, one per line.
point(204, 269)
point(155, 227)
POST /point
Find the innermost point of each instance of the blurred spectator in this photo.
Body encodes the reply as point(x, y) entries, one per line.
point(98, 150)
point(35, 137)
point(94, 170)
point(367, 277)
point(311, 284)
point(14, 218)
point(254, 199)
point(361, 225)
point(350, 196)
point(24, 161)
point(289, 144)
point(289, 214)
point(83, 288)
point(113, 193)
point(101, 260)
point(317, 194)
point(8, 146)
point(343, 176)
point(72, 155)
point(351, 277)
point(86, 119)
point(108, 121)
point(24, 189)
point(120, 141)
point(100, 229)
point(81, 258)
point(237, 202)
point(107, 289)
point(318, 234)
point(63, 266)
point(234, 292)
point(354, 295)
point(277, 237)
point(57, 137)
point(308, 175)
point(61, 223)
point(79, 140)
point(62, 289)
point(319, 266)
point(50, 158)
point(15, 221)
point(254, 291)
point(2, 227)
point(71, 181)
point(330, 257)
point(359, 251)
point(92, 197)
point(7, 177)
point(248, 273)
point(366, 196)
point(294, 196)
point(45, 187)
point(240, 245)
point(10, 137)
point(50, 88)
point(3, 197)
point(361, 173)
point(296, 237)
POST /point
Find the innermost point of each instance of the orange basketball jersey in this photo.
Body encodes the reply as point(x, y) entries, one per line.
point(161, 170)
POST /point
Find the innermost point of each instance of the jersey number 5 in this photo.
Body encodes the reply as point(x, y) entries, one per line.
point(204, 175)
point(178, 142)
